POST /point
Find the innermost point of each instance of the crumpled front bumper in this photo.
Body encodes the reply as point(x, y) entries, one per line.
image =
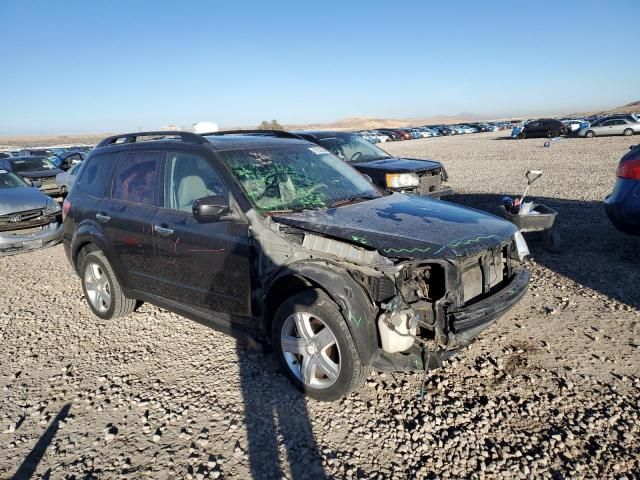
point(465, 323)
point(12, 244)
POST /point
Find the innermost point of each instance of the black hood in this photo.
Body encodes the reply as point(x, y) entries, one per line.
point(407, 226)
point(14, 200)
point(35, 174)
point(398, 165)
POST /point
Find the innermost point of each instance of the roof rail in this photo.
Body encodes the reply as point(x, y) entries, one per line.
point(187, 137)
point(266, 133)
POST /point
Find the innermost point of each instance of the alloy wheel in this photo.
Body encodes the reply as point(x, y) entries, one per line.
point(310, 350)
point(97, 286)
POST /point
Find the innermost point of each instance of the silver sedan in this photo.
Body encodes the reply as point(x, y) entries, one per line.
point(614, 126)
point(29, 220)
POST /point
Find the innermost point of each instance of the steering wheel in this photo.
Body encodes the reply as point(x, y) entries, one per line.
point(355, 157)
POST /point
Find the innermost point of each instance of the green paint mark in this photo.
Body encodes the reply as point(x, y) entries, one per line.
point(358, 239)
point(462, 241)
point(418, 364)
point(406, 250)
point(355, 320)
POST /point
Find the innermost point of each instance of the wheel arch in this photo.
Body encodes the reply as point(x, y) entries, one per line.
point(89, 238)
point(353, 302)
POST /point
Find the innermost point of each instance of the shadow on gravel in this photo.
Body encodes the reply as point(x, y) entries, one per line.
point(593, 253)
point(277, 421)
point(28, 467)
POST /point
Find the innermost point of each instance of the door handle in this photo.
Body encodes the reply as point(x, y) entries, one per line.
point(163, 230)
point(102, 218)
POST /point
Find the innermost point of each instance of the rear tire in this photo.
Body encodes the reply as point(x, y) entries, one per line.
point(590, 134)
point(318, 356)
point(101, 288)
point(627, 132)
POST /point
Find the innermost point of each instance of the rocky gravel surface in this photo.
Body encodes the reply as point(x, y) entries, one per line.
point(549, 391)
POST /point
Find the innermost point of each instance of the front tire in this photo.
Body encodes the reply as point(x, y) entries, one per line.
point(314, 347)
point(101, 288)
point(627, 132)
point(590, 134)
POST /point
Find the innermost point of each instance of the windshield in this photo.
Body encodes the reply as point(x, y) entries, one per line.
point(296, 177)
point(353, 148)
point(10, 180)
point(31, 164)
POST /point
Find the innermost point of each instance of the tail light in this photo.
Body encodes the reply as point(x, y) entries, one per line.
point(66, 208)
point(630, 169)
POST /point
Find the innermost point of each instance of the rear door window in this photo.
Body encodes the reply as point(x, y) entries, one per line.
point(96, 174)
point(135, 177)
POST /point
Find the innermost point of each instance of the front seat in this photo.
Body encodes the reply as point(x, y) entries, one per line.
point(190, 189)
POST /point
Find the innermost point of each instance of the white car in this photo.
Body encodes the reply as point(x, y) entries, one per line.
point(381, 136)
point(423, 133)
point(610, 126)
point(574, 125)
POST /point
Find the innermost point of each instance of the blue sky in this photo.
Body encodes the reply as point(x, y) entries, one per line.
point(84, 66)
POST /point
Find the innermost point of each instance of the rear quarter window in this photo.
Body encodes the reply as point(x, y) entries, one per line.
point(96, 174)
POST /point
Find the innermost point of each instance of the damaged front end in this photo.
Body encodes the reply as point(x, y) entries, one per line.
point(423, 311)
point(439, 306)
point(434, 274)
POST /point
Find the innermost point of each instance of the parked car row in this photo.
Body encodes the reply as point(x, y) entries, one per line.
point(46, 168)
point(382, 135)
point(618, 124)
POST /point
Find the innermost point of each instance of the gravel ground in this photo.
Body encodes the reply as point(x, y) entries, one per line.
point(550, 391)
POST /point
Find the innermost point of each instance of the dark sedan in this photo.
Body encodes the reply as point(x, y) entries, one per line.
point(545, 127)
point(38, 171)
point(407, 175)
point(29, 220)
point(623, 204)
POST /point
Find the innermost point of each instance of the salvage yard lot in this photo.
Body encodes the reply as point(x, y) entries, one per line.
point(551, 389)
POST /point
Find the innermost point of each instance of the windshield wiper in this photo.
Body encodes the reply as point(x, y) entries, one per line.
point(351, 199)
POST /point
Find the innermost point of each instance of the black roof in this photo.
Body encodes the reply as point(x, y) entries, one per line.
point(231, 140)
point(238, 141)
point(324, 133)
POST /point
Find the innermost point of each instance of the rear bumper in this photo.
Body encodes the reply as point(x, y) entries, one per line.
point(14, 244)
point(51, 190)
point(623, 206)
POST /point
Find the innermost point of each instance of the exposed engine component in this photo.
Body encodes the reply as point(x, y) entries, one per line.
point(397, 330)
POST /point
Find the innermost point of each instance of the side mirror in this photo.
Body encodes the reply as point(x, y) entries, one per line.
point(369, 179)
point(210, 208)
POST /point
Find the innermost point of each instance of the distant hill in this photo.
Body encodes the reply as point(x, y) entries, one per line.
point(350, 123)
point(633, 107)
point(367, 123)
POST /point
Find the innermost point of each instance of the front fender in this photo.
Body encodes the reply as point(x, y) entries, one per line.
point(356, 307)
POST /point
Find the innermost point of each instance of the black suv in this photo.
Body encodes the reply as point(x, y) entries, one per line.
point(273, 238)
point(545, 127)
point(406, 175)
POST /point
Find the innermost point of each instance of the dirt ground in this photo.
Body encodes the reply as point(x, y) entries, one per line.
point(550, 391)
